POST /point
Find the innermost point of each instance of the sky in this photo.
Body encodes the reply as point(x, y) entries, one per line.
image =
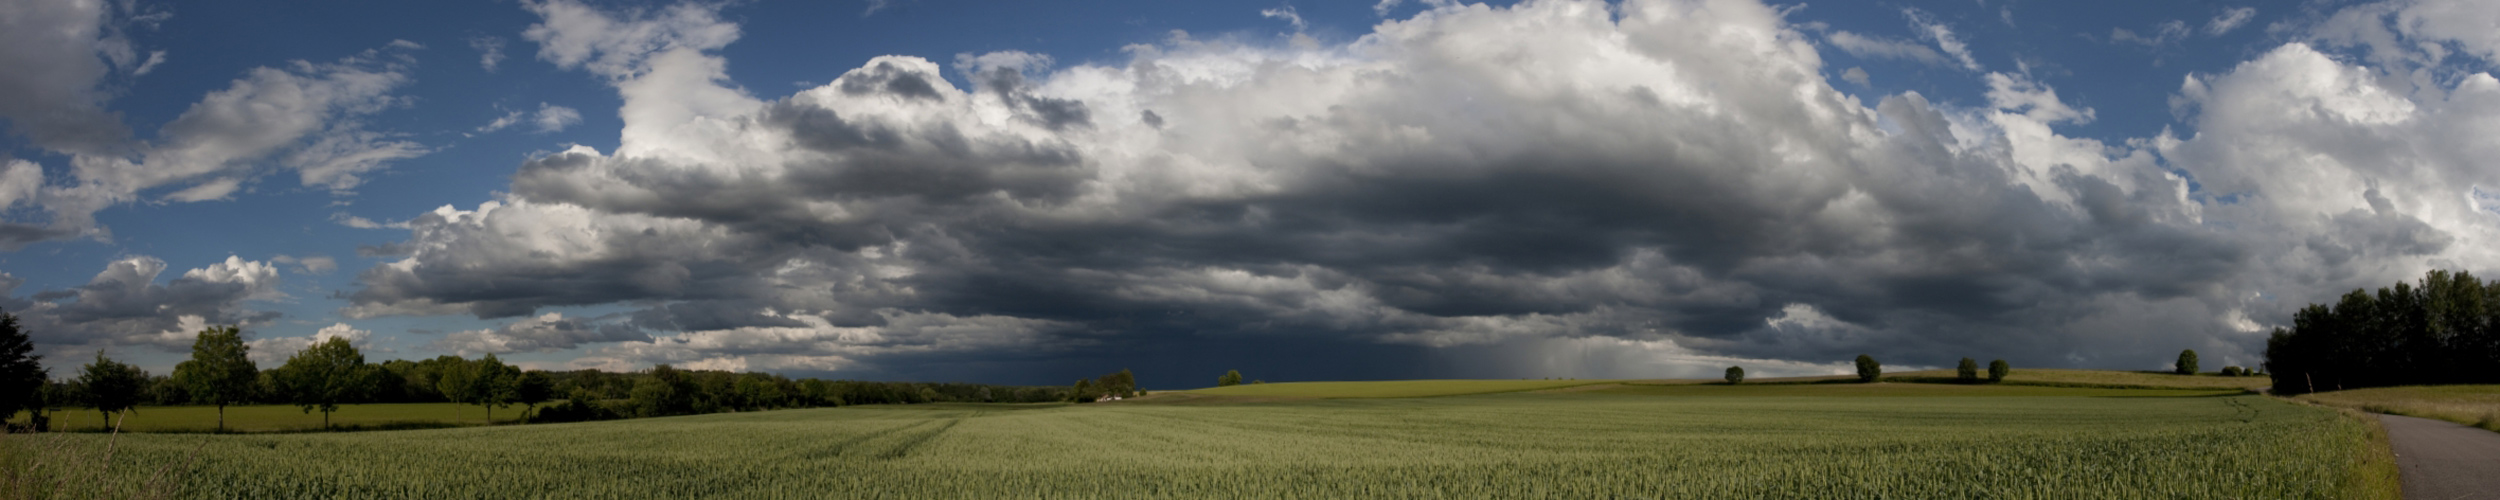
point(1034, 192)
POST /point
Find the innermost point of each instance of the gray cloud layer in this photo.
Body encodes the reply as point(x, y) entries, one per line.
point(1677, 180)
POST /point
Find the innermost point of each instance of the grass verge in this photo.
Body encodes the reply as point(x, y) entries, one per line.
point(2473, 405)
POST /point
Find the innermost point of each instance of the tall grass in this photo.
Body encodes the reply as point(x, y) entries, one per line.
point(2474, 405)
point(51, 466)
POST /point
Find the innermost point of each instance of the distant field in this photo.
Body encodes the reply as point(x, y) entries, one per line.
point(1889, 389)
point(2475, 405)
point(2018, 443)
point(1390, 388)
point(2099, 378)
point(265, 418)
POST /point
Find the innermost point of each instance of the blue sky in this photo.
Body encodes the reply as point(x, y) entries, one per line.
point(2117, 232)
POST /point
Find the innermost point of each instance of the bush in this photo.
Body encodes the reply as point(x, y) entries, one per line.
point(1735, 375)
point(2233, 371)
point(1229, 379)
point(1997, 370)
point(1968, 372)
point(1868, 369)
point(2187, 362)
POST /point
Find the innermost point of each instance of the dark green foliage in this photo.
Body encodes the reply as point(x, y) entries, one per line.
point(2232, 371)
point(1997, 370)
point(1968, 372)
point(112, 386)
point(533, 388)
point(1868, 369)
point(1120, 384)
point(1230, 378)
point(21, 372)
point(1735, 375)
point(220, 371)
point(324, 376)
point(664, 391)
point(2186, 364)
point(2443, 330)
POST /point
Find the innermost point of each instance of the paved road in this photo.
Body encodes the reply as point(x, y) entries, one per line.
point(2444, 461)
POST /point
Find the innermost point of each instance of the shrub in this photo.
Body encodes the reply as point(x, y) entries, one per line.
point(1997, 370)
point(2232, 371)
point(1868, 369)
point(1735, 375)
point(1230, 378)
point(2187, 362)
point(1968, 372)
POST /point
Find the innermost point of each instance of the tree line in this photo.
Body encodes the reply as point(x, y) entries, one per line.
point(334, 372)
point(2443, 329)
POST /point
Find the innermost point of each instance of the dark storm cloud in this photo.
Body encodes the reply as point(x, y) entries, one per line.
point(550, 332)
point(1417, 199)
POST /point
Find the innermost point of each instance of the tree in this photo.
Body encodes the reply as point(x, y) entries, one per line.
point(21, 373)
point(220, 371)
point(2187, 362)
point(1968, 372)
point(533, 389)
point(495, 384)
point(1735, 375)
point(112, 386)
point(1997, 370)
point(324, 376)
point(1230, 378)
point(1868, 369)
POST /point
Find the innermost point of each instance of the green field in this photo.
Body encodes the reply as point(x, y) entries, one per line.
point(2475, 405)
point(1619, 441)
point(1390, 388)
point(2098, 378)
point(267, 418)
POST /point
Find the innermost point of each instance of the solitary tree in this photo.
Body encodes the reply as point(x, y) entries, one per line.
point(325, 375)
point(1868, 369)
point(220, 371)
point(1230, 378)
point(1997, 370)
point(112, 386)
point(1735, 375)
point(21, 373)
point(2187, 362)
point(1968, 372)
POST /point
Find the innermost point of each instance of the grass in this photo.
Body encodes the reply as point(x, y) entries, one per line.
point(2474, 405)
point(1890, 390)
point(2098, 378)
point(282, 418)
point(1631, 441)
point(1389, 388)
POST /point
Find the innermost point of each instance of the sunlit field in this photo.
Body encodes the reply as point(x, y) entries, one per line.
point(1694, 441)
point(2100, 378)
point(2475, 405)
point(266, 418)
point(1390, 388)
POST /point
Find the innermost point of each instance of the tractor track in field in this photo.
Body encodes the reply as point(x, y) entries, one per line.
point(2440, 460)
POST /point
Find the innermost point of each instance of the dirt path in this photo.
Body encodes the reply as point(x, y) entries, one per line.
point(2444, 461)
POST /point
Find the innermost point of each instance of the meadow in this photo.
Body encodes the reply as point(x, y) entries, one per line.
point(2475, 405)
point(282, 418)
point(2099, 378)
point(1691, 441)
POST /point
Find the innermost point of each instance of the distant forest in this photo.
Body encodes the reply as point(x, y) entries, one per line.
point(2443, 330)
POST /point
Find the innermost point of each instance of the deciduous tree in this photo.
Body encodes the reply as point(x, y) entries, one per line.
point(220, 371)
point(2187, 363)
point(324, 376)
point(112, 386)
point(1735, 375)
point(1868, 369)
point(1997, 370)
point(1968, 372)
point(1230, 378)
